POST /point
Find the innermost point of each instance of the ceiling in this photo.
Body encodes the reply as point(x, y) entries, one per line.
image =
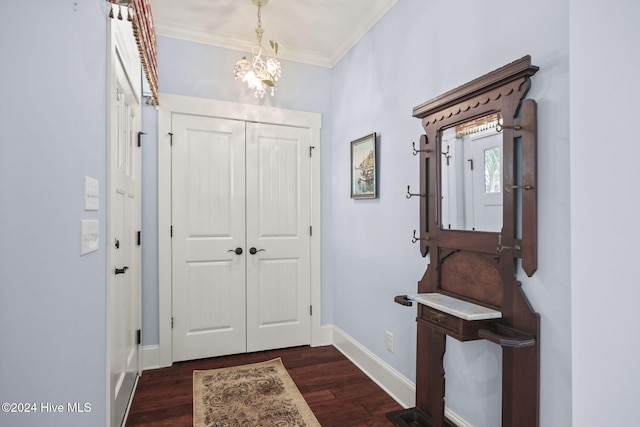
point(317, 32)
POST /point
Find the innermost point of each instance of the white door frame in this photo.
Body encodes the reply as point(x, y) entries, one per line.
point(170, 104)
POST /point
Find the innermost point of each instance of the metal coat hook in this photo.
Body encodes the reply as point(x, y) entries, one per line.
point(501, 247)
point(525, 187)
point(447, 155)
point(509, 187)
point(499, 127)
point(410, 194)
point(415, 152)
point(415, 239)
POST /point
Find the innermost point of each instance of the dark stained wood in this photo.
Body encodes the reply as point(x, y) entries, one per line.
point(519, 68)
point(529, 141)
point(338, 393)
point(480, 267)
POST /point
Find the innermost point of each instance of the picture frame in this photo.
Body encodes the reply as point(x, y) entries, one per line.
point(364, 168)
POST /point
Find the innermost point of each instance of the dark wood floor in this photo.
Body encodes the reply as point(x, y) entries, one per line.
point(338, 393)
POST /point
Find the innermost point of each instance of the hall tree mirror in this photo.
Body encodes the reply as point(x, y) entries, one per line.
point(471, 175)
point(477, 219)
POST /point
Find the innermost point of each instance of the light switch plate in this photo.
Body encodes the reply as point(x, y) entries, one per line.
point(89, 235)
point(91, 194)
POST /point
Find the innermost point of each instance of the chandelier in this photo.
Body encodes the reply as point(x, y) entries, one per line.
point(261, 72)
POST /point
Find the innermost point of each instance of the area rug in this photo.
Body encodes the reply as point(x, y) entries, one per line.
point(256, 395)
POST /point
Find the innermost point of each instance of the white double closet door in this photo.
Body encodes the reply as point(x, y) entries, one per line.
point(241, 236)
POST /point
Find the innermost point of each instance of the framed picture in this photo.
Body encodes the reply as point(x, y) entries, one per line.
point(364, 174)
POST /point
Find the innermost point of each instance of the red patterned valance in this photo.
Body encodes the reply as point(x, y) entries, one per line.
point(142, 21)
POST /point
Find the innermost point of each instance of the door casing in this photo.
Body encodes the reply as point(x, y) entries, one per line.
point(170, 104)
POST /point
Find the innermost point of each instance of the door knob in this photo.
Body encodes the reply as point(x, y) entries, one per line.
point(254, 251)
point(238, 251)
point(121, 270)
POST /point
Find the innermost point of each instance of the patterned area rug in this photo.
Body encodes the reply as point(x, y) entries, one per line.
point(257, 395)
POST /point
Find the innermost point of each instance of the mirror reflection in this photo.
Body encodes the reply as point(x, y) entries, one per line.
point(471, 175)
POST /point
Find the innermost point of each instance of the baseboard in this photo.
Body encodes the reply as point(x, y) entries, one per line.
point(326, 336)
point(391, 381)
point(455, 418)
point(150, 357)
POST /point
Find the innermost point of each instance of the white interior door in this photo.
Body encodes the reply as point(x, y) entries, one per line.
point(208, 211)
point(123, 223)
point(278, 218)
point(235, 188)
point(486, 208)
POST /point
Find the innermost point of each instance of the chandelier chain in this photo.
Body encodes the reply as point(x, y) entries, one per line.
point(261, 72)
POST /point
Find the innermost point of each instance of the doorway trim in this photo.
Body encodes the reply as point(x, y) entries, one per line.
point(177, 104)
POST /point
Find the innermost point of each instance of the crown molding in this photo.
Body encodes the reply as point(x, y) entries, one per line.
point(175, 30)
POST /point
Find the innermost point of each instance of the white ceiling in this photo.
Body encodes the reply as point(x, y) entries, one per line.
point(317, 32)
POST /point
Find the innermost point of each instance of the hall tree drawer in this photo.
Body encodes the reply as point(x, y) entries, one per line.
point(460, 329)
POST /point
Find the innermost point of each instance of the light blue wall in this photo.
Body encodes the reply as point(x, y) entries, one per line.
point(605, 230)
point(52, 133)
point(416, 52)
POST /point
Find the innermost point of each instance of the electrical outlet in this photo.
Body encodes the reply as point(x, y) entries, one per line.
point(89, 235)
point(388, 341)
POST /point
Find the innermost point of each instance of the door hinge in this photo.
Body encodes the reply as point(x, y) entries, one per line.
point(138, 337)
point(171, 231)
point(310, 310)
point(140, 137)
point(311, 147)
point(172, 323)
point(170, 139)
point(139, 238)
point(311, 230)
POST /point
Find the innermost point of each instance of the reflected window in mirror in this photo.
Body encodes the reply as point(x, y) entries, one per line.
point(471, 175)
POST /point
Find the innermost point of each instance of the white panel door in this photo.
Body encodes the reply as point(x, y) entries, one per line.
point(486, 208)
point(208, 222)
point(123, 223)
point(237, 188)
point(278, 218)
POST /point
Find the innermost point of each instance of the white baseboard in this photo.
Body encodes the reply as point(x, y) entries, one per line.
point(150, 357)
point(455, 418)
point(391, 381)
point(326, 336)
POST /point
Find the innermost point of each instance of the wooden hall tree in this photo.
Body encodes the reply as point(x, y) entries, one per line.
point(470, 291)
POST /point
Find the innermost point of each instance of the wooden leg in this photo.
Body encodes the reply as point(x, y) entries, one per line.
point(520, 385)
point(430, 382)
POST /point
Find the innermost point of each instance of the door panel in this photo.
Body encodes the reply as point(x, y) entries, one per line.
point(278, 207)
point(123, 222)
point(208, 211)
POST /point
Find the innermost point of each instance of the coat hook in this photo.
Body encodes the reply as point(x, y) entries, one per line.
point(509, 187)
point(499, 127)
point(410, 194)
point(501, 247)
point(415, 152)
point(525, 187)
point(447, 155)
point(415, 239)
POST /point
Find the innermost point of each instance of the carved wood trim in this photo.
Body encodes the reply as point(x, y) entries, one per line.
point(500, 77)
